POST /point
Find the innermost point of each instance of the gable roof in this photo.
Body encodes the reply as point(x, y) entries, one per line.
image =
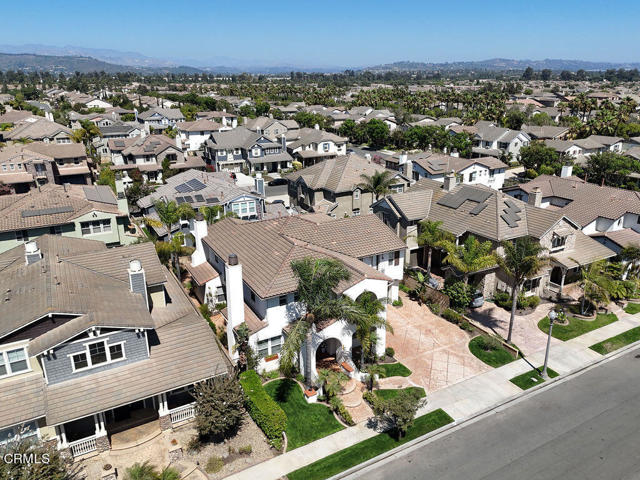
point(37, 130)
point(436, 164)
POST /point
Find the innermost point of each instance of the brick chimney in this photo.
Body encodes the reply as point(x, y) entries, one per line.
point(449, 181)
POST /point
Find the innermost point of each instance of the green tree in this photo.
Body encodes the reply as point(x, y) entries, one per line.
point(399, 412)
point(331, 381)
point(377, 133)
point(472, 256)
point(379, 183)
point(262, 108)
point(430, 236)
point(219, 407)
point(521, 260)
point(514, 119)
point(55, 469)
point(594, 282)
point(247, 358)
point(528, 74)
point(537, 155)
point(368, 323)
point(318, 279)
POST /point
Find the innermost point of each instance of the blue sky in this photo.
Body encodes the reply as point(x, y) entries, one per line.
point(335, 33)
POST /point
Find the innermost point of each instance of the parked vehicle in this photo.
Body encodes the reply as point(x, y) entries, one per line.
point(477, 300)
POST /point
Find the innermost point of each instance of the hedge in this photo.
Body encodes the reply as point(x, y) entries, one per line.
point(263, 409)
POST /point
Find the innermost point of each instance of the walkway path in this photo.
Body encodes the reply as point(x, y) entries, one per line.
point(460, 400)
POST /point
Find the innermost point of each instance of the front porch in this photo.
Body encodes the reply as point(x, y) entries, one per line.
point(126, 425)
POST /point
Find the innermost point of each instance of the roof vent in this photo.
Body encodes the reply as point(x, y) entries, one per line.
point(135, 266)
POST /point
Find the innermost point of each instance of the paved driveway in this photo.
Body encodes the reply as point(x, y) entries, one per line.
point(435, 350)
point(526, 334)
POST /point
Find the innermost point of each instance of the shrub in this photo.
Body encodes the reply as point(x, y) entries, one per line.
point(245, 450)
point(503, 300)
point(452, 316)
point(435, 308)
point(263, 409)
point(459, 294)
point(214, 464)
point(488, 344)
point(221, 306)
point(404, 288)
point(389, 352)
point(195, 444)
point(397, 303)
point(372, 399)
point(219, 406)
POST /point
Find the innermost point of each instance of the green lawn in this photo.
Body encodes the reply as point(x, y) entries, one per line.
point(576, 326)
point(496, 357)
point(395, 370)
point(372, 447)
point(632, 308)
point(386, 394)
point(525, 381)
point(305, 422)
point(619, 341)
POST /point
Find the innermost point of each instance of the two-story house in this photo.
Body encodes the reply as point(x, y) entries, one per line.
point(161, 118)
point(205, 189)
point(249, 265)
point(493, 216)
point(147, 154)
point(194, 134)
point(488, 171)
point(273, 128)
point(499, 142)
point(242, 149)
point(334, 186)
point(95, 341)
point(39, 130)
point(87, 211)
point(313, 145)
point(600, 211)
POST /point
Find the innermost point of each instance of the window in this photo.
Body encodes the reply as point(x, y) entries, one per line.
point(276, 345)
point(4, 167)
point(55, 230)
point(558, 242)
point(492, 172)
point(19, 166)
point(472, 176)
point(79, 361)
point(25, 430)
point(282, 300)
point(396, 188)
point(96, 226)
point(255, 152)
point(396, 258)
point(98, 353)
point(356, 194)
point(22, 236)
point(13, 362)
point(115, 351)
point(236, 151)
point(12, 166)
point(325, 147)
point(270, 346)
point(253, 297)
point(531, 284)
point(263, 348)
point(356, 212)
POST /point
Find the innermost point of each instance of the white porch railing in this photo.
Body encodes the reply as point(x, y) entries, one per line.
point(180, 414)
point(81, 447)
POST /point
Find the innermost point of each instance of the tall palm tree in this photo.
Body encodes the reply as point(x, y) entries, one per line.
point(522, 259)
point(430, 236)
point(318, 279)
point(379, 183)
point(631, 255)
point(593, 281)
point(472, 256)
point(215, 213)
point(367, 324)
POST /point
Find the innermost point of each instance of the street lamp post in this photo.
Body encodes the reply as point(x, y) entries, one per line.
point(552, 316)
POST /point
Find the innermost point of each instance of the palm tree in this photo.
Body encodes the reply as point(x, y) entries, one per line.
point(215, 213)
point(431, 235)
point(373, 370)
point(594, 283)
point(522, 259)
point(331, 381)
point(367, 324)
point(318, 279)
point(378, 183)
point(631, 255)
point(472, 256)
point(169, 214)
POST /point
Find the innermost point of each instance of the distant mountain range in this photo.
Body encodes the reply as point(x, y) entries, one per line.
point(500, 64)
point(69, 59)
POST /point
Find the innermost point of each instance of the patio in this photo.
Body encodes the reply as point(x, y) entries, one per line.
point(434, 349)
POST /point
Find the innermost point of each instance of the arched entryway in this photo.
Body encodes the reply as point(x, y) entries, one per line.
point(327, 354)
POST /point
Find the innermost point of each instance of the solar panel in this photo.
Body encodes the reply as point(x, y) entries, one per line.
point(180, 200)
point(149, 148)
point(183, 188)
point(99, 193)
point(510, 215)
point(509, 221)
point(199, 198)
point(478, 208)
point(213, 200)
point(119, 143)
point(196, 184)
point(512, 206)
point(46, 211)
point(189, 199)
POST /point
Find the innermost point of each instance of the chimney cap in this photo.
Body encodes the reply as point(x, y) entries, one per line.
point(31, 247)
point(233, 259)
point(199, 216)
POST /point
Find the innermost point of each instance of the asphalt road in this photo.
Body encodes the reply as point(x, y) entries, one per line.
point(585, 428)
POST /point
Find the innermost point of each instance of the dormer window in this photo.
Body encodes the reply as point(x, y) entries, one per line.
point(13, 361)
point(558, 242)
point(356, 194)
point(96, 354)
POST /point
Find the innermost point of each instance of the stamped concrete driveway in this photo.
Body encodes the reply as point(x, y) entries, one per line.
point(435, 350)
point(526, 334)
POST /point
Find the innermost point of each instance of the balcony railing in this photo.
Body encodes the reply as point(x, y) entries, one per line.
point(180, 414)
point(83, 446)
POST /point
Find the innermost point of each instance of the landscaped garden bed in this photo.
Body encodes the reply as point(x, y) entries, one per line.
point(531, 378)
point(576, 326)
point(491, 351)
point(614, 343)
point(632, 308)
point(305, 422)
point(372, 447)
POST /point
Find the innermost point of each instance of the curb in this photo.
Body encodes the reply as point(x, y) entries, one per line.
point(447, 429)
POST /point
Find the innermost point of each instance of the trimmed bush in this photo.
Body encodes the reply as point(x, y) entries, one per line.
point(503, 300)
point(397, 303)
point(263, 409)
point(404, 288)
point(452, 316)
point(338, 407)
point(245, 450)
point(389, 352)
point(214, 464)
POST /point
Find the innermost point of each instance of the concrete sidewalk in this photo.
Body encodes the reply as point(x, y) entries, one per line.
point(461, 400)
